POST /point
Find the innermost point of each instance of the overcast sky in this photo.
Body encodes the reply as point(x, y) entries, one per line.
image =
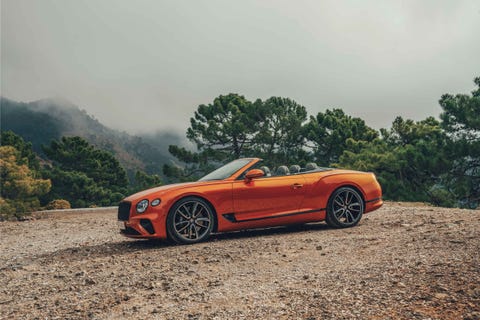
point(146, 65)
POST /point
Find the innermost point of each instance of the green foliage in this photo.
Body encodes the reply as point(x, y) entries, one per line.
point(84, 175)
point(196, 164)
point(279, 137)
point(376, 156)
point(328, 133)
point(461, 120)
point(76, 154)
point(233, 127)
point(225, 127)
point(222, 131)
point(19, 189)
point(78, 189)
point(8, 210)
point(144, 181)
point(408, 159)
point(27, 156)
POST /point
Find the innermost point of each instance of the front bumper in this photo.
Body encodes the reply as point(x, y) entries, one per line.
point(145, 225)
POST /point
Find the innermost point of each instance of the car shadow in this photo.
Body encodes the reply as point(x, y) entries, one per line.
point(128, 246)
point(252, 233)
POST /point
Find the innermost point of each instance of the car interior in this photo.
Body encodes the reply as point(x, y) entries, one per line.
point(285, 171)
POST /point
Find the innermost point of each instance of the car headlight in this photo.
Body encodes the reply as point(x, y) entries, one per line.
point(142, 206)
point(155, 202)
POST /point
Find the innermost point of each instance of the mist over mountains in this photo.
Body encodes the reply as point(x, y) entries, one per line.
point(45, 120)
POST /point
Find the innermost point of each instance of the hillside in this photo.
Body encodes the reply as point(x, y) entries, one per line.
point(403, 261)
point(44, 120)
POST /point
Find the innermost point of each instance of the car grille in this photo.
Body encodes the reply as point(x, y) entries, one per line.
point(124, 211)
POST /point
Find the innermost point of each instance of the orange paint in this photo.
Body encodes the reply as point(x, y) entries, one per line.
point(244, 203)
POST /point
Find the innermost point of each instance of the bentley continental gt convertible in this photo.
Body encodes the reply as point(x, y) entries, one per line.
point(244, 194)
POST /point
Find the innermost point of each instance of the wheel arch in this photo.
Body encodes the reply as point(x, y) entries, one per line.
point(209, 203)
point(349, 185)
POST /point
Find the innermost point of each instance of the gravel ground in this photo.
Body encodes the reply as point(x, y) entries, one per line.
point(402, 261)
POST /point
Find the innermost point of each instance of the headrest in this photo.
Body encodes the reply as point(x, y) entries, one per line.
point(282, 171)
point(266, 170)
point(295, 168)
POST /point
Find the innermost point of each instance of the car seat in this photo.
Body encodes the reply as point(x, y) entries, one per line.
point(282, 171)
point(311, 166)
point(266, 171)
point(294, 168)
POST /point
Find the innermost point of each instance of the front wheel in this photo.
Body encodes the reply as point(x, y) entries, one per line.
point(345, 208)
point(190, 220)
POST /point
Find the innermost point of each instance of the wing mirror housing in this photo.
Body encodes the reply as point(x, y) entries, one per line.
point(254, 173)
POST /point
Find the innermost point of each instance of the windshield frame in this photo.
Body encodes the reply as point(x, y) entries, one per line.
point(238, 171)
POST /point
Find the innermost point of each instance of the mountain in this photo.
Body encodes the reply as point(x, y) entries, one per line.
point(42, 121)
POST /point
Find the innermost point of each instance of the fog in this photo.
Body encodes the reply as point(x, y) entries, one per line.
point(145, 66)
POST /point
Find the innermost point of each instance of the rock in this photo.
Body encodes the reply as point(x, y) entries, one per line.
point(441, 295)
point(80, 274)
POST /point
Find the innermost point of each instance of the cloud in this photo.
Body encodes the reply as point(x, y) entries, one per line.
point(146, 65)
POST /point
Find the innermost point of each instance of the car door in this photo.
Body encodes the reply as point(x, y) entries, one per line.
point(267, 197)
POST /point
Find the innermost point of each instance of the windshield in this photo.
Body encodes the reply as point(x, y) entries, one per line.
point(226, 171)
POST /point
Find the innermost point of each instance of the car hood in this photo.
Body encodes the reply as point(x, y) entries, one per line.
point(162, 189)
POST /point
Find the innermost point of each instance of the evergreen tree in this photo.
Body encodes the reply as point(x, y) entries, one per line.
point(408, 159)
point(221, 131)
point(280, 138)
point(27, 156)
point(461, 120)
point(144, 181)
point(225, 128)
point(328, 133)
point(84, 175)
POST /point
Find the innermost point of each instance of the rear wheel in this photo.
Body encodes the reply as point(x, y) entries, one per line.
point(345, 208)
point(190, 220)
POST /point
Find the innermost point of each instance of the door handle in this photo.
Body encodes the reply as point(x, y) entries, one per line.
point(297, 186)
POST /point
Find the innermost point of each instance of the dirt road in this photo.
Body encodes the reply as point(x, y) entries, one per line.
point(402, 261)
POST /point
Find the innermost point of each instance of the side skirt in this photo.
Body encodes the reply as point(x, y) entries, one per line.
point(231, 216)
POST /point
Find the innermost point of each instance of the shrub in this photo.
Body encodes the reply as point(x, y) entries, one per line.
point(19, 188)
point(6, 209)
point(58, 204)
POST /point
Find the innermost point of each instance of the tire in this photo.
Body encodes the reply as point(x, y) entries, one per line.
point(345, 208)
point(329, 221)
point(190, 220)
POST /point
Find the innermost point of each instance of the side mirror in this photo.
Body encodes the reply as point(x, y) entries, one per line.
point(254, 173)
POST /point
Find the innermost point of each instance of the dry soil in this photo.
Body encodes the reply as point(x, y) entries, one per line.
point(402, 261)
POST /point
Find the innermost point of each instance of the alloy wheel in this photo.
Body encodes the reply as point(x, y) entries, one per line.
point(192, 221)
point(346, 207)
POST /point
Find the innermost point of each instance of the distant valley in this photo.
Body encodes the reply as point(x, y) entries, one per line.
point(45, 120)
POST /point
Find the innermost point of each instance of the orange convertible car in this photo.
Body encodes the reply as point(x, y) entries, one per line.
point(243, 194)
